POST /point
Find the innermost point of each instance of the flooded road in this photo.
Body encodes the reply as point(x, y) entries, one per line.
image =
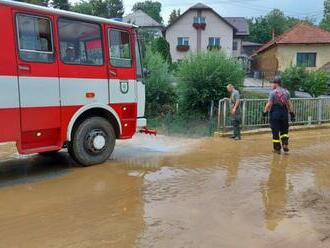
point(171, 192)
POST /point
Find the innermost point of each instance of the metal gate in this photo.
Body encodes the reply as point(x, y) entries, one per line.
point(308, 111)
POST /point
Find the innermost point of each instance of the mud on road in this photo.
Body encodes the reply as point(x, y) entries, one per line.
point(171, 192)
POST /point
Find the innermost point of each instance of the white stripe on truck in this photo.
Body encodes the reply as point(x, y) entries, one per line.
point(52, 91)
point(73, 91)
point(39, 91)
point(119, 93)
point(8, 92)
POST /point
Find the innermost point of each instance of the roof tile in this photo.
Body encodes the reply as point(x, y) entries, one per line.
point(302, 33)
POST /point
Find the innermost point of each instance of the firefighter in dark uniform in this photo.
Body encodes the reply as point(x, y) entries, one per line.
point(279, 107)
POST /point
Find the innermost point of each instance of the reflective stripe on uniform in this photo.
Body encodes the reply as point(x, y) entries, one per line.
point(276, 141)
point(284, 136)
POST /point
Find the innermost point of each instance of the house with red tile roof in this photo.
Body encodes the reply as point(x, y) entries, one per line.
point(303, 45)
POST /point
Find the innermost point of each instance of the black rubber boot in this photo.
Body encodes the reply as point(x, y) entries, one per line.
point(277, 147)
point(285, 144)
point(286, 148)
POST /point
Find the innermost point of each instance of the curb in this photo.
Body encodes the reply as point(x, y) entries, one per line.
point(268, 130)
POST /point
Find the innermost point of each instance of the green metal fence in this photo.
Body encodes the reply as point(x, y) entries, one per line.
point(308, 111)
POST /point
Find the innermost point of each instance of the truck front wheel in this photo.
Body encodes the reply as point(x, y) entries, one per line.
point(93, 141)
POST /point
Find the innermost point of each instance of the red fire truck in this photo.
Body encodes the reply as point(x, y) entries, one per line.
point(68, 80)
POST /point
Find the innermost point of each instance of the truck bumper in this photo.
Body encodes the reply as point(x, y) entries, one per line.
point(141, 122)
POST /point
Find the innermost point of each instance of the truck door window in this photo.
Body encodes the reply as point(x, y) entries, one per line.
point(120, 48)
point(35, 41)
point(81, 42)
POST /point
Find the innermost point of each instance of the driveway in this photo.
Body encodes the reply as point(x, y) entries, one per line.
point(259, 86)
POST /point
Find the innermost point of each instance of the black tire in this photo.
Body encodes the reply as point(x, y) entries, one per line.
point(84, 148)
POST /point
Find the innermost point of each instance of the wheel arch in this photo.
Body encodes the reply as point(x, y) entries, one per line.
point(94, 109)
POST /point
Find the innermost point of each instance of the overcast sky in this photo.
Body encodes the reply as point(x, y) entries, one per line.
point(245, 8)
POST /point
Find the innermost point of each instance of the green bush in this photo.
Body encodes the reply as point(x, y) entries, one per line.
point(316, 83)
point(160, 95)
point(203, 77)
point(293, 78)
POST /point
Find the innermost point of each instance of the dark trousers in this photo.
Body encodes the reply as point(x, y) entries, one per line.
point(236, 122)
point(279, 122)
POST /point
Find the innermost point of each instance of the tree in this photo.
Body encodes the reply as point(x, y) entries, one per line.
point(274, 23)
point(160, 94)
point(173, 16)
point(325, 23)
point(61, 4)
point(101, 8)
point(36, 2)
point(203, 77)
point(161, 46)
point(151, 8)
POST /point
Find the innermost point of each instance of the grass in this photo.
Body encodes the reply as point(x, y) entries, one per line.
point(192, 125)
point(177, 125)
point(254, 95)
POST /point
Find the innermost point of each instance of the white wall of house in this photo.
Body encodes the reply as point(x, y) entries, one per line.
point(215, 27)
point(182, 28)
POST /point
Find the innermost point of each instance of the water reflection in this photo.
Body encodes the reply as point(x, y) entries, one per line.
point(233, 167)
point(99, 206)
point(275, 192)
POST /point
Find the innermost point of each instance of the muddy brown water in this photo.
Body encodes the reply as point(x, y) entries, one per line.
point(171, 192)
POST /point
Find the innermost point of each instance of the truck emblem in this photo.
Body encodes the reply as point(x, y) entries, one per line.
point(124, 87)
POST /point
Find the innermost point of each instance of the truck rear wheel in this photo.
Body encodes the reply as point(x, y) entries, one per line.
point(93, 141)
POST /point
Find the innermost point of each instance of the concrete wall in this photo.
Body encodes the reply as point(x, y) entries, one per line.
point(215, 27)
point(287, 54)
point(283, 56)
point(267, 63)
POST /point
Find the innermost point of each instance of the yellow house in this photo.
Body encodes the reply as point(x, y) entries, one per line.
point(303, 45)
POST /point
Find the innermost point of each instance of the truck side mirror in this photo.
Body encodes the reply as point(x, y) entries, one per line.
point(146, 72)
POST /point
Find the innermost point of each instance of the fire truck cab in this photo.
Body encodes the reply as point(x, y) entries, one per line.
point(68, 80)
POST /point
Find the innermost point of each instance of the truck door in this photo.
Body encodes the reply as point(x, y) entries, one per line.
point(38, 83)
point(140, 83)
point(9, 100)
point(122, 77)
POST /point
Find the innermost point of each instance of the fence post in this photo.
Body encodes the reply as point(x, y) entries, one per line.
point(219, 113)
point(211, 109)
point(224, 115)
point(244, 113)
point(319, 110)
point(211, 126)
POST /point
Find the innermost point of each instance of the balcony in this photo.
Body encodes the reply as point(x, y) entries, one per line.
point(182, 48)
point(199, 22)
